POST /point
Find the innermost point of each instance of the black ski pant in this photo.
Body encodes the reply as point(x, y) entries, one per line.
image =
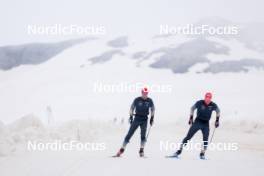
point(196, 126)
point(138, 122)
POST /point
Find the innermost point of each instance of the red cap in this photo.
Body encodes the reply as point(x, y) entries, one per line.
point(145, 91)
point(208, 95)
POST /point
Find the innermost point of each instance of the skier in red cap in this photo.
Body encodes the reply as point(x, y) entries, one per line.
point(204, 109)
point(141, 105)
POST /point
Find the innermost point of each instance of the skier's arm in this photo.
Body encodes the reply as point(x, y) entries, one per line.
point(193, 109)
point(132, 108)
point(191, 113)
point(152, 113)
point(131, 111)
point(152, 110)
point(217, 110)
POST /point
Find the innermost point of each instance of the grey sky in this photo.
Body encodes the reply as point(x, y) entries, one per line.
point(119, 16)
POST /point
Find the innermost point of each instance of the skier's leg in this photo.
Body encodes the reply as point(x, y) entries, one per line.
point(193, 129)
point(143, 130)
point(205, 132)
point(130, 133)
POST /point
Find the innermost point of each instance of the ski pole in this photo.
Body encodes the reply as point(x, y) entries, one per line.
point(212, 136)
point(148, 132)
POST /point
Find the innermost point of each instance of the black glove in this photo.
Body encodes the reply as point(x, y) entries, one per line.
point(131, 120)
point(151, 120)
point(217, 122)
point(190, 120)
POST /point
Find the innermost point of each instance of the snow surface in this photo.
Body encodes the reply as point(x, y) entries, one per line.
point(247, 160)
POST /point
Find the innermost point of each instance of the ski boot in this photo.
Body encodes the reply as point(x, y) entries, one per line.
point(202, 156)
point(176, 154)
point(120, 152)
point(141, 152)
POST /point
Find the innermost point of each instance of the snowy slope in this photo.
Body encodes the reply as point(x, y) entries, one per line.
point(66, 84)
point(62, 89)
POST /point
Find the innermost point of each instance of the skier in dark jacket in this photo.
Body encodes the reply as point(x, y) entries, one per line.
point(204, 111)
point(141, 105)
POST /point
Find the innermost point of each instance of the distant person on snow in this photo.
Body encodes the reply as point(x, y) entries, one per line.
point(204, 111)
point(141, 105)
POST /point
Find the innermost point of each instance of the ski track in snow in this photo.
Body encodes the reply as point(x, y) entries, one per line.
point(246, 161)
point(74, 164)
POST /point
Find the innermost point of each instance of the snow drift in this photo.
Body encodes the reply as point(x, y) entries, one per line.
point(14, 136)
